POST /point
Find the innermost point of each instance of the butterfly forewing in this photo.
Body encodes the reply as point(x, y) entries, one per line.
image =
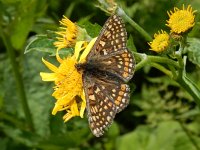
point(108, 66)
point(112, 37)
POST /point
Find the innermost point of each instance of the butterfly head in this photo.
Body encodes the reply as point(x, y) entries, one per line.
point(80, 66)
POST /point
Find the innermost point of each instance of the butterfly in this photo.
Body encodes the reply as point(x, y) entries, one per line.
point(109, 65)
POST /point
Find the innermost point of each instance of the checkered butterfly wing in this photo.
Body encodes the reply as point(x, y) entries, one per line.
point(109, 51)
point(105, 95)
point(110, 65)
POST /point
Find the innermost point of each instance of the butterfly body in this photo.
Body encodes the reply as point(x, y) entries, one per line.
point(109, 65)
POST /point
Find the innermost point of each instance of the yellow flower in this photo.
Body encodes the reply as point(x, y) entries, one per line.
point(160, 42)
point(69, 93)
point(112, 6)
point(181, 20)
point(67, 34)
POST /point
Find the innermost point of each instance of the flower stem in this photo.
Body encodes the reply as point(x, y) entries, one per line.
point(183, 80)
point(163, 60)
point(143, 62)
point(121, 13)
point(18, 80)
point(148, 59)
point(163, 69)
point(190, 87)
point(189, 135)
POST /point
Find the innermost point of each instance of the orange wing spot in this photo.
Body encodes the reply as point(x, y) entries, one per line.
point(90, 91)
point(94, 118)
point(126, 69)
point(110, 104)
point(119, 98)
point(126, 63)
point(121, 93)
point(94, 109)
point(126, 59)
point(123, 87)
point(119, 46)
point(124, 55)
point(92, 125)
point(117, 102)
point(105, 107)
point(125, 74)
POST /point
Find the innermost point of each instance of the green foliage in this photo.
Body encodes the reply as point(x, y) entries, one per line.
point(41, 43)
point(168, 135)
point(162, 115)
point(92, 29)
point(193, 50)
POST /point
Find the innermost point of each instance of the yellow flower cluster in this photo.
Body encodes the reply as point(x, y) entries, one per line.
point(68, 89)
point(180, 22)
point(67, 34)
point(160, 42)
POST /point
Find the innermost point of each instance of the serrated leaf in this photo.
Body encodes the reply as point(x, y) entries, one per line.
point(41, 43)
point(193, 50)
point(130, 44)
point(93, 30)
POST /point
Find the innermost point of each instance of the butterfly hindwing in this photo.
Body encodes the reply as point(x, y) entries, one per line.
point(101, 110)
point(120, 63)
point(105, 97)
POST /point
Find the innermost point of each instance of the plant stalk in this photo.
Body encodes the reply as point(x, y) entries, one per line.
point(146, 35)
point(18, 80)
point(190, 87)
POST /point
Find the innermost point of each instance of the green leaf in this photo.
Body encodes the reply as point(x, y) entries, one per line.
point(44, 43)
point(93, 30)
point(4, 143)
point(41, 43)
point(22, 23)
point(113, 130)
point(167, 135)
point(193, 50)
point(70, 139)
point(27, 138)
point(130, 44)
point(38, 93)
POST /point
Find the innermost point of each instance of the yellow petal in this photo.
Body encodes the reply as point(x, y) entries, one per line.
point(50, 66)
point(74, 108)
point(48, 76)
point(78, 48)
point(65, 100)
point(83, 105)
point(87, 50)
point(67, 116)
point(58, 57)
point(56, 109)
